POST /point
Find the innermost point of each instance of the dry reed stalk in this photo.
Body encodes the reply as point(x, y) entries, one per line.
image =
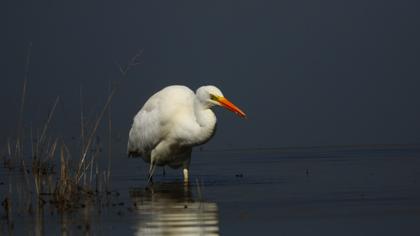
point(9, 148)
point(25, 174)
point(97, 179)
point(36, 145)
point(82, 131)
point(53, 147)
point(91, 168)
point(82, 123)
point(200, 196)
point(109, 140)
point(105, 180)
point(37, 182)
point(17, 153)
point(64, 174)
point(32, 143)
point(22, 103)
point(133, 62)
point(93, 132)
point(90, 164)
point(50, 115)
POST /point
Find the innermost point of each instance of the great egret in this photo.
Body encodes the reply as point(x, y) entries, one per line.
point(172, 121)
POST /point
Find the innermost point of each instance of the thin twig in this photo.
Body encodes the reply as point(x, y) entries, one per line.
point(22, 104)
point(134, 61)
point(48, 120)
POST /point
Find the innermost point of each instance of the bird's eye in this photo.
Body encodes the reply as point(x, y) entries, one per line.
point(213, 97)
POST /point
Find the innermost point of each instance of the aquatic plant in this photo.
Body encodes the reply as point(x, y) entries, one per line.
point(52, 173)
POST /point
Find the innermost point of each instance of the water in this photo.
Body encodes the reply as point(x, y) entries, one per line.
point(319, 191)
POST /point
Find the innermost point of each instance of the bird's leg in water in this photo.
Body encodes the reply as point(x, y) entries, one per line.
point(186, 169)
point(163, 169)
point(185, 175)
point(152, 168)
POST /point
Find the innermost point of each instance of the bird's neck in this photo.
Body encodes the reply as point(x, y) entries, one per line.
point(206, 121)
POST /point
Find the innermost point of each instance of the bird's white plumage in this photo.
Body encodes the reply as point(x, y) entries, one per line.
point(171, 122)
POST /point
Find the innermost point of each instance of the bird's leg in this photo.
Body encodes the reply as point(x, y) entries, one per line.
point(186, 168)
point(150, 179)
point(152, 167)
point(164, 173)
point(160, 150)
point(185, 175)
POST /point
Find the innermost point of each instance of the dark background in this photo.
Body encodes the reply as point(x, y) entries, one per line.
point(306, 72)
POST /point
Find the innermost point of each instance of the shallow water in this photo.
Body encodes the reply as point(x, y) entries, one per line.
point(320, 191)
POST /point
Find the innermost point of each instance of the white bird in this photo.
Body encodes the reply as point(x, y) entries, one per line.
point(171, 122)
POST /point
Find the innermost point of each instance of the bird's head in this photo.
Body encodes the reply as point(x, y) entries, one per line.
point(210, 96)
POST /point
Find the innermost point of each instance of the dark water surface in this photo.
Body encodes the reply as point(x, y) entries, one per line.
point(320, 191)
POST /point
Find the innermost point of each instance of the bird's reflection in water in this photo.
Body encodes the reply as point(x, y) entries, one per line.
point(171, 209)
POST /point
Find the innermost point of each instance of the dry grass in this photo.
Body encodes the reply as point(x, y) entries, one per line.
point(55, 174)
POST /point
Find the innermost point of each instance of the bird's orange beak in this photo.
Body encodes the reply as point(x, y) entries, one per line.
point(230, 106)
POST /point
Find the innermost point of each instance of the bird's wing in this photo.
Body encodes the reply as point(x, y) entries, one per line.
point(155, 120)
point(145, 132)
